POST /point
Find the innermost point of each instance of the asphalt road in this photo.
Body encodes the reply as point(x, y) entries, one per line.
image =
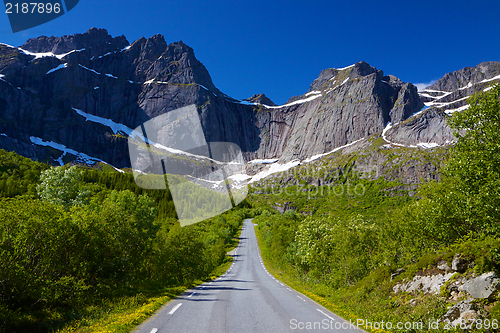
point(245, 299)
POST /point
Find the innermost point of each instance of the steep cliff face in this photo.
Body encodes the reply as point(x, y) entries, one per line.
point(341, 106)
point(74, 97)
point(448, 95)
point(44, 85)
point(467, 76)
point(77, 97)
point(97, 41)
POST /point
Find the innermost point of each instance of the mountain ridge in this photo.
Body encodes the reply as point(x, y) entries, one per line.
point(43, 82)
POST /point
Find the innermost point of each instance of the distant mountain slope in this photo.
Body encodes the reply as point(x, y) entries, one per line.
point(449, 94)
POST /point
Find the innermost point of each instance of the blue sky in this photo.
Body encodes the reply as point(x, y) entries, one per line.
point(280, 47)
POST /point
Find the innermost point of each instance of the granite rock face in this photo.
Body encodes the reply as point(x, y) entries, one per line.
point(39, 95)
point(428, 127)
point(51, 98)
point(407, 103)
point(340, 107)
point(482, 286)
point(458, 79)
point(261, 99)
point(93, 38)
point(448, 95)
point(63, 92)
point(460, 312)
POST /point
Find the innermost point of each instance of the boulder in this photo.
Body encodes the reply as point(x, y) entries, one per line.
point(462, 311)
point(427, 284)
point(482, 286)
point(443, 265)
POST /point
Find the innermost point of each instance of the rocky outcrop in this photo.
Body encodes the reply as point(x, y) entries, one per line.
point(482, 286)
point(368, 159)
point(460, 313)
point(457, 285)
point(261, 99)
point(340, 107)
point(39, 94)
point(477, 287)
point(428, 127)
point(97, 39)
point(459, 263)
point(469, 75)
point(449, 94)
point(407, 103)
point(424, 283)
point(282, 208)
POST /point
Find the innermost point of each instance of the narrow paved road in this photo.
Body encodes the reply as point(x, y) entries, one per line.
point(245, 299)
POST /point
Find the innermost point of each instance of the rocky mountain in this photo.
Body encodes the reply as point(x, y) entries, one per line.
point(260, 99)
point(76, 98)
point(449, 94)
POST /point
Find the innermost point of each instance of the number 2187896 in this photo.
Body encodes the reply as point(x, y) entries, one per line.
point(32, 7)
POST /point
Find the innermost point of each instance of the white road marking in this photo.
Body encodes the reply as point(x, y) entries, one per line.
point(289, 289)
point(192, 295)
point(203, 287)
point(325, 314)
point(301, 298)
point(175, 309)
point(154, 330)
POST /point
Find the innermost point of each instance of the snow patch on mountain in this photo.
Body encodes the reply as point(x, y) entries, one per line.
point(47, 54)
point(344, 68)
point(81, 157)
point(274, 168)
point(300, 101)
point(263, 161)
point(89, 69)
point(315, 157)
point(115, 127)
point(61, 66)
point(465, 107)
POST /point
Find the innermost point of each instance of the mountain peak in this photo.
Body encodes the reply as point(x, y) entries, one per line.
point(59, 45)
point(467, 75)
point(362, 68)
point(358, 69)
point(261, 99)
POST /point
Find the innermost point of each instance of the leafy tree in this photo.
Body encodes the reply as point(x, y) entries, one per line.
point(18, 175)
point(62, 186)
point(336, 251)
point(91, 235)
point(467, 199)
point(474, 165)
point(39, 261)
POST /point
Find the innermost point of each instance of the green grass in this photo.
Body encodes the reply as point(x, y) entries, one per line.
point(123, 314)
